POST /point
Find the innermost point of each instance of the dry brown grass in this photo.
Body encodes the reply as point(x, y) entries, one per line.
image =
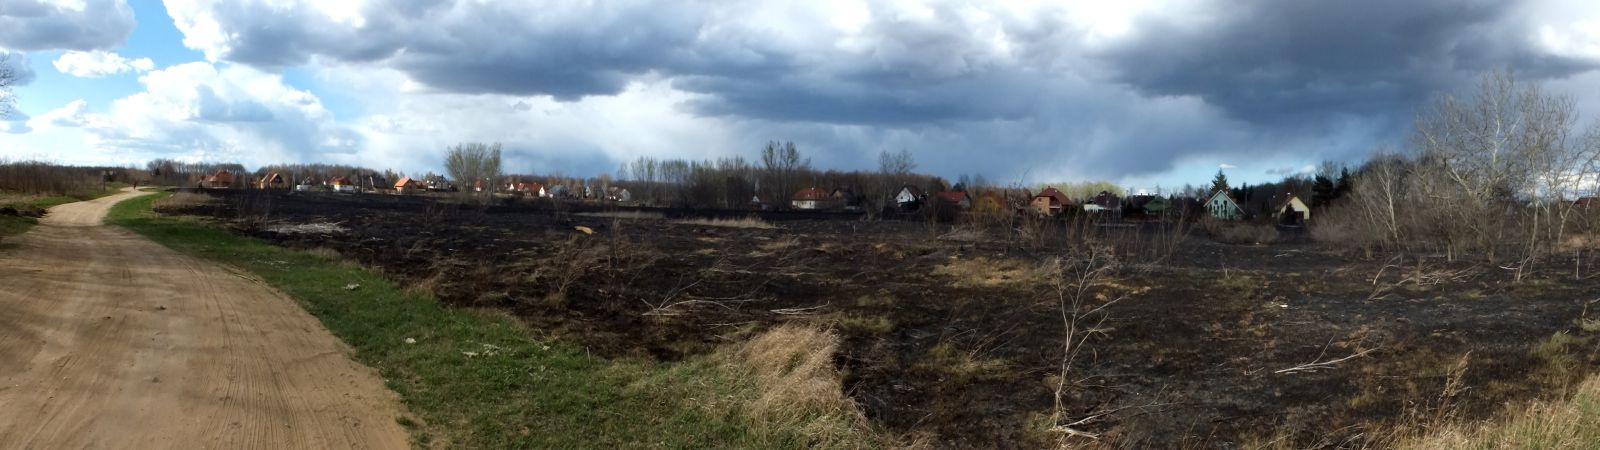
point(1241, 233)
point(325, 253)
point(797, 386)
point(985, 272)
point(184, 199)
point(307, 228)
point(747, 222)
point(629, 215)
point(1573, 423)
point(781, 244)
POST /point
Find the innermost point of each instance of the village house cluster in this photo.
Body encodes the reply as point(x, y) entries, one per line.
point(1047, 202)
point(377, 184)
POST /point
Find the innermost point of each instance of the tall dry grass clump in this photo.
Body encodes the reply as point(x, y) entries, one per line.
point(798, 388)
point(180, 200)
point(747, 222)
point(1240, 232)
point(1554, 425)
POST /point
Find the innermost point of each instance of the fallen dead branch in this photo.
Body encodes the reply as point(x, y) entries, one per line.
point(1319, 364)
point(799, 311)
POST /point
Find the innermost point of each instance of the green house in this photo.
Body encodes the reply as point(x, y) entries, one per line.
point(1156, 205)
point(1223, 207)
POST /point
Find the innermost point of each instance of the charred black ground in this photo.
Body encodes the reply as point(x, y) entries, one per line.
point(954, 336)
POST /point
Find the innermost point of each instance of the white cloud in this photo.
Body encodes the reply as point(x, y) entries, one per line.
point(227, 113)
point(99, 63)
point(1226, 166)
point(73, 114)
point(541, 135)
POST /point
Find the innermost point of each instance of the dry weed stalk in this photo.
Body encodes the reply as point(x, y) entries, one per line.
point(1077, 275)
point(751, 222)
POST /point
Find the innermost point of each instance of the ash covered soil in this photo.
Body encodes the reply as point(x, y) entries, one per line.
point(954, 337)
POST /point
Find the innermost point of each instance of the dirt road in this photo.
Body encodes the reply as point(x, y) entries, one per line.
point(109, 340)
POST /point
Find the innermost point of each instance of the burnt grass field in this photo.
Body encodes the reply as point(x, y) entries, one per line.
point(953, 336)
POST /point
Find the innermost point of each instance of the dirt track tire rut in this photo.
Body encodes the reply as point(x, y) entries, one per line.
point(109, 340)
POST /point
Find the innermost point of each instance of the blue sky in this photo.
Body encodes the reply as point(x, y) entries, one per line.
point(154, 37)
point(1142, 93)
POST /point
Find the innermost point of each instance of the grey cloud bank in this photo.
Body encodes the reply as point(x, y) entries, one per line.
point(1042, 92)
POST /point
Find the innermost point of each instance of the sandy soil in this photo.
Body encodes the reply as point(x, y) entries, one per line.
point(108, 340)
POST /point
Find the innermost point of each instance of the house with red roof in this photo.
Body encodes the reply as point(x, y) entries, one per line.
point(811, 198)
point(1049, 202)
point(222, 179)
point(954, 198)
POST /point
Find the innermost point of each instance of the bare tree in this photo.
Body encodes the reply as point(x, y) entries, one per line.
point(782, 164)
point(1378, 195)
point(8, 78)
point(473, 163)
point(894, 170)
point(1497, 164)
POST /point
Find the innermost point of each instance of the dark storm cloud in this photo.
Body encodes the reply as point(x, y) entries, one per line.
point(1291, 62)
point(502, 48)
point(33, 25)
point(1256, 79)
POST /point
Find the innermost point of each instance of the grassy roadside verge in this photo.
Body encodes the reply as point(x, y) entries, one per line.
point(480, 380)
point(1572, 423)
point(14, 225)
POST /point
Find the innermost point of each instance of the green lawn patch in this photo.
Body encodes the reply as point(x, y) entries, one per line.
point(481, 380)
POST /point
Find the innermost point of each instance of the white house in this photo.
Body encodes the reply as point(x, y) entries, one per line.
point(810, 198)
point(908, 198)
point(1294, 211)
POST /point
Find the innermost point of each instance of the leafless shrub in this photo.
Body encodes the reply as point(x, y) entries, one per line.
point(1341, 225)
point(436, 213)
point(1078, 275)
point(611, 258)
point(254, 208)
point(569, 261)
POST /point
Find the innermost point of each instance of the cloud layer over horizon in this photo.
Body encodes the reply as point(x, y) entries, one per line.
point(1134, 92)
